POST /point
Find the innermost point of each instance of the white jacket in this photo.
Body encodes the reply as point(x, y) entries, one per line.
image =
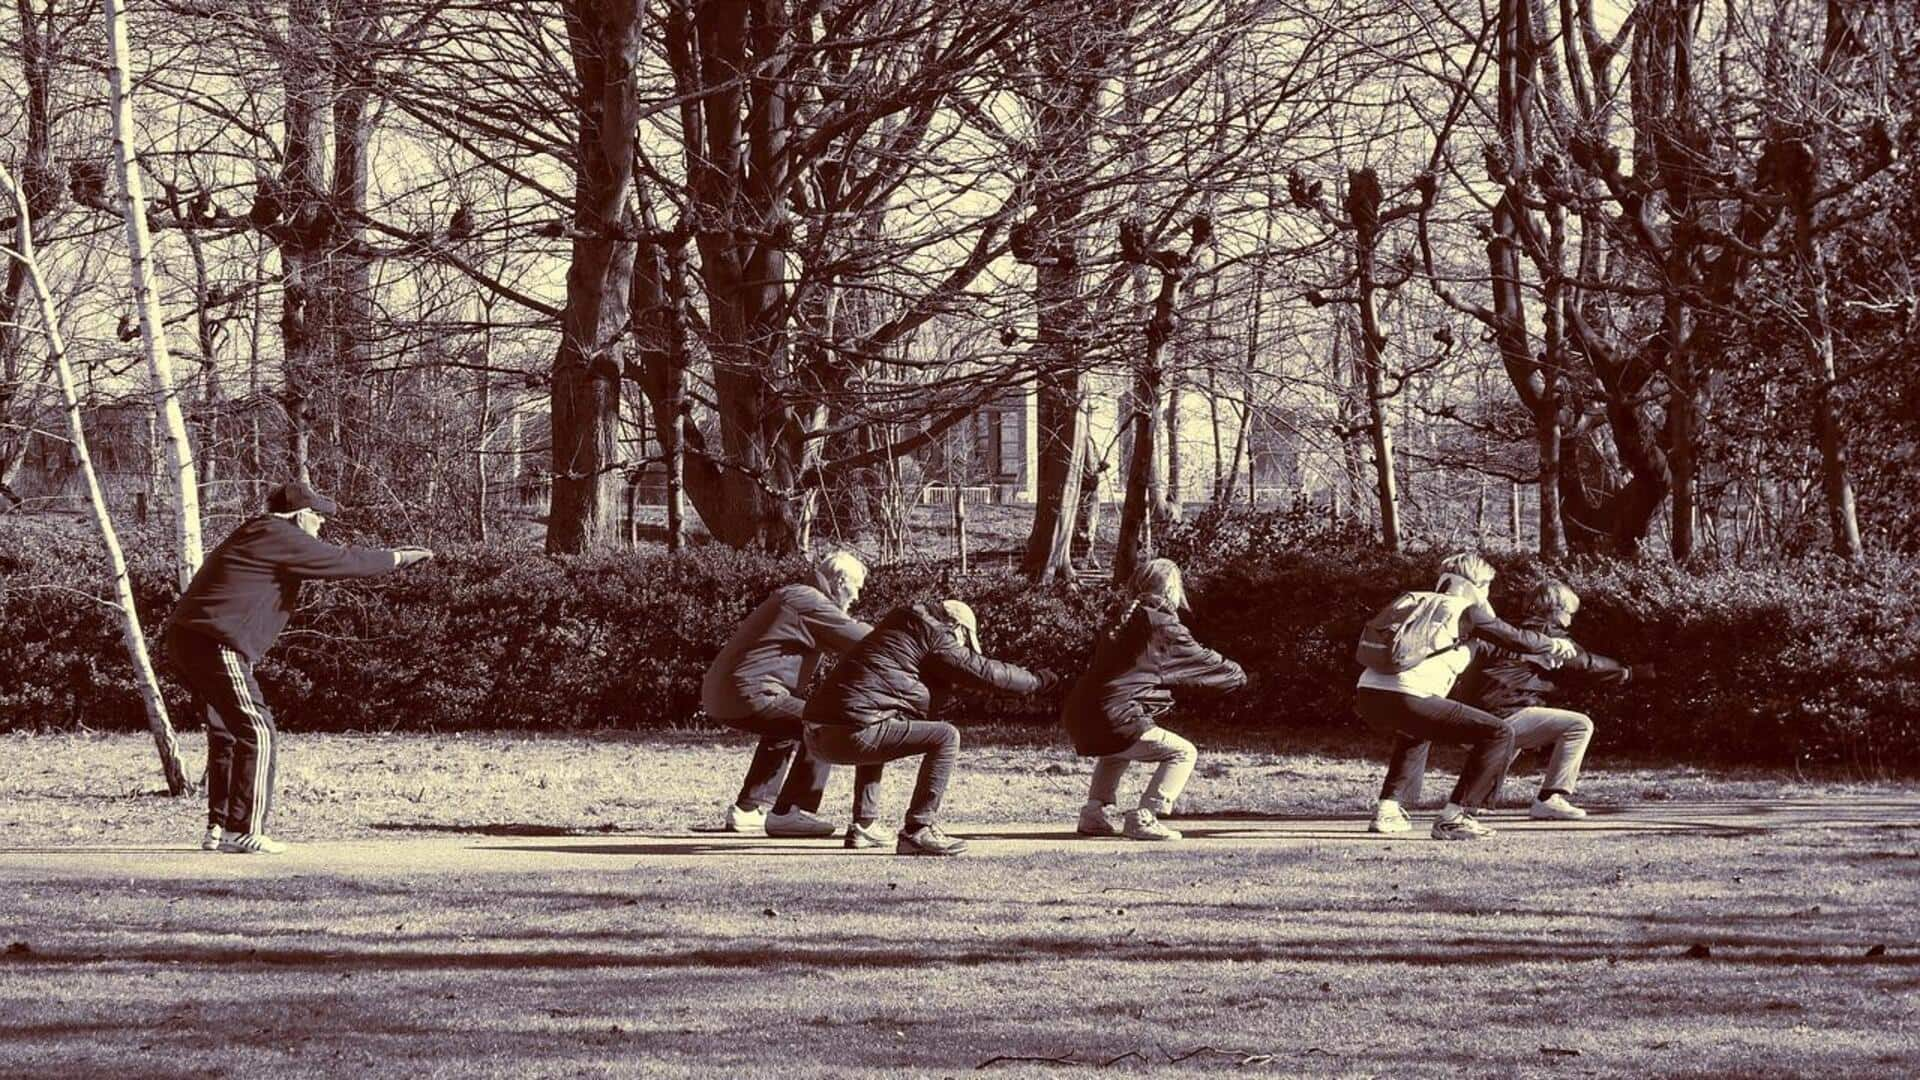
point(1432, 677)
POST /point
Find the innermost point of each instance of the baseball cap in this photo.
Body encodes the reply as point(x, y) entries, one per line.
point(295, 495)
point(962, 614)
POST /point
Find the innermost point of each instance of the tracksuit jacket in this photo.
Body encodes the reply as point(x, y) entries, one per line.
point(247, 589)
point(888, 675)
point(1114, 703)
point(776, 650)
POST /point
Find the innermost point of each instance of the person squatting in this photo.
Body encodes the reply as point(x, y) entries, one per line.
point(1440, 666)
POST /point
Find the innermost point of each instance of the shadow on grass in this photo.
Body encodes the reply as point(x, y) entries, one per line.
point(649, 950)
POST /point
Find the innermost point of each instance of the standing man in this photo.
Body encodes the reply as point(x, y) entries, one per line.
point(236, 605)
point(753, 683)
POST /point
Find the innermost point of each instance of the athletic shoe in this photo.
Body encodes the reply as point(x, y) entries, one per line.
point(1097, 820)
point(864, 836)
point(1142, 825)
point(1555, 807)
point(1460, 828)
point(928, 840)
point(251, 844)
point(797, 822)
point(211, 841)
point(1390, 819)
point(745, 821)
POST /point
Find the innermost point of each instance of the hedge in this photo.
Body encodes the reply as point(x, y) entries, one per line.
point(1811, 662)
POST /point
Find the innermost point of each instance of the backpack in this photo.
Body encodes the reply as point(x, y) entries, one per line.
point(1413, 628)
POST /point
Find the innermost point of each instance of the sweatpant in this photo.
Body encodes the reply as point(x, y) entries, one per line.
point(1568, 732)
point(783, 772)
point(243, 747)
point(1175, 757)
point(870, 748)
point(1417, 723)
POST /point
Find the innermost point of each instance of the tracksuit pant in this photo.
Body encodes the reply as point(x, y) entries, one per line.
point(1416, 723)
point(243, 747)
point(870, 748)
point(783, 772)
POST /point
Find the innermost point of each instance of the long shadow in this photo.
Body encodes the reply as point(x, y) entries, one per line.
point(843, 954)
point(509, 828)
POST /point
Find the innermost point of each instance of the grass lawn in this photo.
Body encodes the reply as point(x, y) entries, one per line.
point(1568, 952)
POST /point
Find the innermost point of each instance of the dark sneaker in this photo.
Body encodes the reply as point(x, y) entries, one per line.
point(928, 840)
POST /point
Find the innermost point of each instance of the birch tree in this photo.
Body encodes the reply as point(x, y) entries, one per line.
point(185, 488)
point(130, 633)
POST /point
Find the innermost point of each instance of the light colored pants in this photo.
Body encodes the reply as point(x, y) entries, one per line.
point(1566, 731)
point(1175, 756)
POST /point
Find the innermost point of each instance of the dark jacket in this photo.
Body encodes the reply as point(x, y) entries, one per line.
point(247, 589)
point(891, 675)
point(1114, 703)
point(1503, 681)
point(776, 650)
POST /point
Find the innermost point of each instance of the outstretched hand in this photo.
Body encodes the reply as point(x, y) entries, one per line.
point(1049, 681)
point(407, 556)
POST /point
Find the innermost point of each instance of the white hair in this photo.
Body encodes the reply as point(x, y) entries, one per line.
point(840, 565)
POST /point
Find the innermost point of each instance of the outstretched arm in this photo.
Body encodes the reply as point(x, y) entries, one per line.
point(833, 630)
point(305, 556)
point(964, 667)
point(1480, 621)
point(1187, 664)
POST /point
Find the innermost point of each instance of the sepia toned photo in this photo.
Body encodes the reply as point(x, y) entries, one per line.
point(918, 539)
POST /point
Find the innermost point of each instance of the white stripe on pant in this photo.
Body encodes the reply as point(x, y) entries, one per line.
point(262, 740)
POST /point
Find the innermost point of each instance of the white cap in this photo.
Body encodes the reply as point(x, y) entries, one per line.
point(963, 615)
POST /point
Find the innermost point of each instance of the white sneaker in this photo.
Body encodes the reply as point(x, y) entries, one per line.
point(1460, 828)
point(863, 836)
point(1142, 825)
point(1098, 820)
point(745, 821)
point(798, 822)
point(1555, 807)
point(1390, 819)
point(211, 841)
point(251, 844)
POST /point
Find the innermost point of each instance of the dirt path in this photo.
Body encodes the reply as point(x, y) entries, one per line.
point(506, 849)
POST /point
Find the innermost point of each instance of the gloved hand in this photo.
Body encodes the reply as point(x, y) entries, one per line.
point(1643, 673)
point(1049, 682)
point(407, 556)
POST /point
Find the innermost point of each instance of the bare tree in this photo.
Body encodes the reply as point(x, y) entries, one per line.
point(24, 256)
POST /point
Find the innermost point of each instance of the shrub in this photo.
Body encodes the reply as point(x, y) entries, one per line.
point(1810, 662)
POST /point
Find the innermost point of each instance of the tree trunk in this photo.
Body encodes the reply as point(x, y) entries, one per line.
point(185, 489)
point(131, 634)
point(605, 41)
point(1843, 524)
